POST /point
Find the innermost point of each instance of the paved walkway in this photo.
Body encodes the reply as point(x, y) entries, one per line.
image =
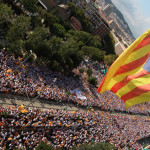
point(12, 100)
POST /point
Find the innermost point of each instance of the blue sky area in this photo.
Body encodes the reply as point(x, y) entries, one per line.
point(136, 13)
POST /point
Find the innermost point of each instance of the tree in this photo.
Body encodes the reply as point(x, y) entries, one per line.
point(109, 59)
point(110, 44)
point(6, 16)
point(36, 21)
point(97, 55)
point(64, 23)
point(36, 40)
point(92, 80)
point(89, 72)
point(86, 38)
point(43, 50)
point(55, 43)
point(16, 47)
point(81, 36)
point(86, 24)
point(71, 54)
point(29, 5)
point(54, 10)
point(64, 55)
point(19, 29)
point(97, 42)
point(43, 62)
point(17, 34)
point(58, 30)
point(93, 53)
point(56, 66)
point(49, 19)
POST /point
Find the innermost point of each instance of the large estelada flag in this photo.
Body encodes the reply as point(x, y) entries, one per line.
point(129, 76)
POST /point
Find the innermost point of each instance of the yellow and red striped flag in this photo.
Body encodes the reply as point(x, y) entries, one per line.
point(129, 76)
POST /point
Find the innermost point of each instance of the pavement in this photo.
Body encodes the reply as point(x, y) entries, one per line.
point(13, 100)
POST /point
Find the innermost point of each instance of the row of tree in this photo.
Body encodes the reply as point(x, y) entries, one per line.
point(51, 38)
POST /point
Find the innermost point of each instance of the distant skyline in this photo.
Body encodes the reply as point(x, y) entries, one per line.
point(136, 14)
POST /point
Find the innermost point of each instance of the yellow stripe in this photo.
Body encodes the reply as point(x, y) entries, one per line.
point(137, 54)
point(121, 77)
point(137, 100)
point(120, 60)
point(133, 84)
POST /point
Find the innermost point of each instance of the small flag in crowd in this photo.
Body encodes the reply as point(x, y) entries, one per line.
point(9, 70)
point(129, 76)
point(21, 107)
point(24, 111)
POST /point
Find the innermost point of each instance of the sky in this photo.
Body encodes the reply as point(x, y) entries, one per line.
point(136, 14)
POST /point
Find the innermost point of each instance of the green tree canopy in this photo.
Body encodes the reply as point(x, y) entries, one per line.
point(58, 30)
point(71, 54)
point(55, 43)
point(63, 55)
point(97, 55)
point(6, 16)
point(36, 39)
point(94, 53)
point(19, 28)
point(81, 36)
point(29, 5)
point(16, 47)
point(109, 59)
point(92, 80)
point(36, 21)
point(65, 24)
point(17, 34)
point(89, 72)
point(110, 44)
point(49, 19)
point(85, 38)
point(97, 42)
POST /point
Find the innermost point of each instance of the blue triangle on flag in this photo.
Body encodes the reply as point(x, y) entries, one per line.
point(147, 65)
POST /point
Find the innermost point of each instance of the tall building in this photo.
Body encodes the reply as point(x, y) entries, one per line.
point(100, 25)
point(119, 47)
point(108, 10)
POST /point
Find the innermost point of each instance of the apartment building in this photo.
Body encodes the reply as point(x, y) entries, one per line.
point(100, 25)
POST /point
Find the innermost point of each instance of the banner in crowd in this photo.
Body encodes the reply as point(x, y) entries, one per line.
point(77, 92)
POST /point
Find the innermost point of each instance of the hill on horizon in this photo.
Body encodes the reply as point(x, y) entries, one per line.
point(119, 17)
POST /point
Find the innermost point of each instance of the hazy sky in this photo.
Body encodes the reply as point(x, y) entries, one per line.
point(136, 13)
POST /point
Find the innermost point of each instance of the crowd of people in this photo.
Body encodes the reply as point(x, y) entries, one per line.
point(24, 78)
point(27, 127)
point(65, 129)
